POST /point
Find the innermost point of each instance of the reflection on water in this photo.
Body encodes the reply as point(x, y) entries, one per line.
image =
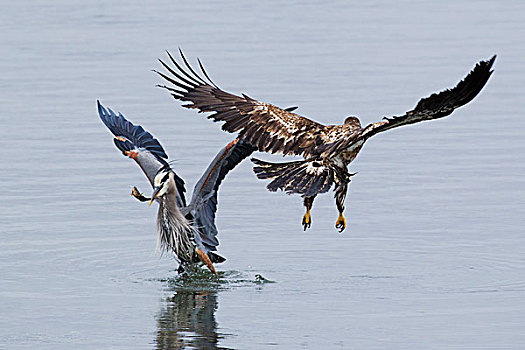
point(187, 320)
point(433, 253)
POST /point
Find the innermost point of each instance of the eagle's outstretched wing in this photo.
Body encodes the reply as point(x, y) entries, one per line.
point(140, 145)
point(263, 125)
point(437, 105)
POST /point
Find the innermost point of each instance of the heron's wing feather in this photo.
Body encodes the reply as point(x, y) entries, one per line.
point(437, 105)
point(140, 145)
point(267, 127)
point(204, 199)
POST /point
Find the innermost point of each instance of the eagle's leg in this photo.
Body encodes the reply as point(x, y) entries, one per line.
point(136, 193)
point(307, 218)
point(340, 195)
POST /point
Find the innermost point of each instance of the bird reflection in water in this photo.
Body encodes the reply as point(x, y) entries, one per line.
point(188, 321)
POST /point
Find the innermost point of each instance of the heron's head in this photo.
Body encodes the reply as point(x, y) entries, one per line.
point(161, 184)
point(353, 121)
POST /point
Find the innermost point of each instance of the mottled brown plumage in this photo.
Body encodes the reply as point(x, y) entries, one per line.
point(327, 149)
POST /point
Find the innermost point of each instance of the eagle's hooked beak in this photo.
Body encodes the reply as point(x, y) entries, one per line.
point(154, 195)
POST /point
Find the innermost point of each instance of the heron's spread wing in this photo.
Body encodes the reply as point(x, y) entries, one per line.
point(267, 127)
point(437, 105)
point(204, 199)
point(140, 145)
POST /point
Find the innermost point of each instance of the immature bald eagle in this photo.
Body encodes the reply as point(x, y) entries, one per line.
point(327, 149)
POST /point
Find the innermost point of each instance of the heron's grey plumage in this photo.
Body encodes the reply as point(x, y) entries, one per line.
point(174, 231)
point(189, 231)
point(140, 145)
point(203, 204)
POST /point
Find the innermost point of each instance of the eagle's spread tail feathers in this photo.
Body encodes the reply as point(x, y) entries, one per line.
point(305, 177)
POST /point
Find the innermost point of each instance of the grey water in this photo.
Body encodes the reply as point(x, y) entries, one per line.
point(433, 254)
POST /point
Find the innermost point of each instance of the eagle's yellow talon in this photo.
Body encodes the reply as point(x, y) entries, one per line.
point(307, 220)
point(340, 224)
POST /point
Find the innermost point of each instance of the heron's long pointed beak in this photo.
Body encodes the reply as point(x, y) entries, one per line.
point(154, 194)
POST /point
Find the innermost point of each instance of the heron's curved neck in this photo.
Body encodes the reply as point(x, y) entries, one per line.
point(175, 232)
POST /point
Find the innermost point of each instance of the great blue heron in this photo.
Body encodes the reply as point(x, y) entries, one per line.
point(328, 149)
point(188, 230)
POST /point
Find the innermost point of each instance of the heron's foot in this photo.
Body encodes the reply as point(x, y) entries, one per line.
point(137, 194)
point(307, 220)
point(340, 224)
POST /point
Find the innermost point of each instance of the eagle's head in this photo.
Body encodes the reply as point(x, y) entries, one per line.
point(353, 121)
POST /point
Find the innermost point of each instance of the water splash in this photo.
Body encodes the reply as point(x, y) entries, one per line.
point(198, 279)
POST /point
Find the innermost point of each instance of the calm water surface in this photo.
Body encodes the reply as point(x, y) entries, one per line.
point(433, 256)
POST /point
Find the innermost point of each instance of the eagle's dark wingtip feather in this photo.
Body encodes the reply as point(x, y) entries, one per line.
point(205, 73)
point(491, 63)
point(258, 161)
point(464, 92)
point(187, 64)
point(190, 82)
point(475, 81)
point(195, 80)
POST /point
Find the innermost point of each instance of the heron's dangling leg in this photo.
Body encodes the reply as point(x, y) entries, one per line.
point(136, 193)
point(205, 259)
point(340, 195)
point(307, 218)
